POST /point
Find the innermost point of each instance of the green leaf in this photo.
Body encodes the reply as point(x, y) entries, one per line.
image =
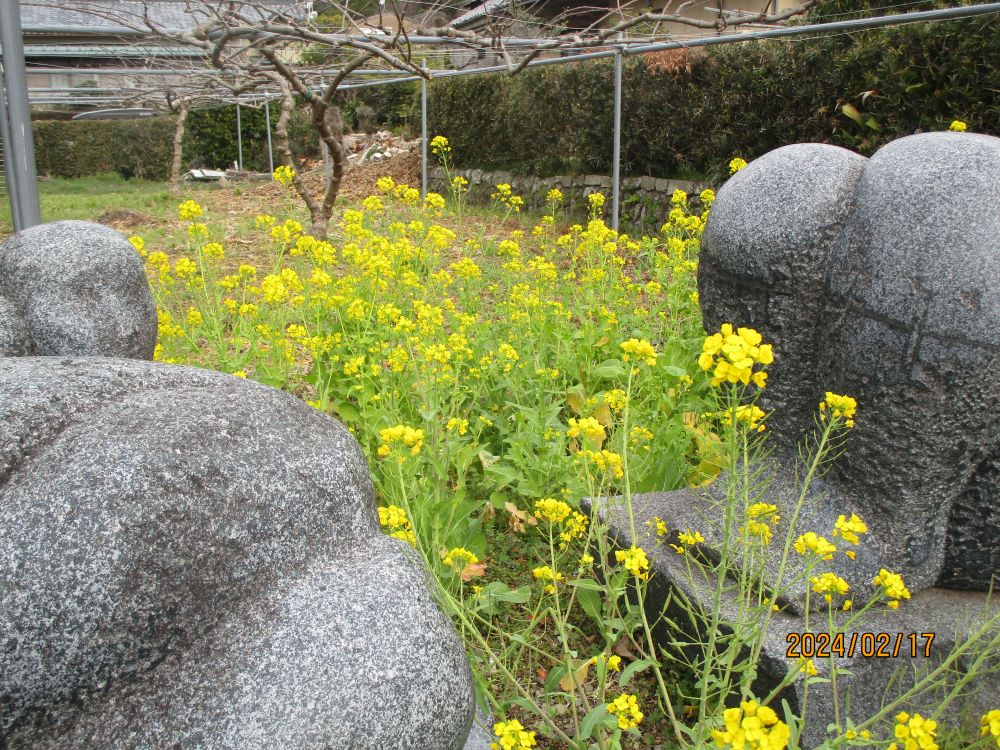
point(591, 602)
point(674, 370)
point(594, 717)
point(633, 669)
point(609, 369)
point(506, 473)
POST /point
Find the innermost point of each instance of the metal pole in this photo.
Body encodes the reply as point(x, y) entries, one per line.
point(267, 120)
point(423, 133)
point(239, 139)
point(616, 142)
point(5, 138)
point(19, 147)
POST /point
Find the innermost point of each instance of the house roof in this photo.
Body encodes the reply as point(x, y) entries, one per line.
point(38, 15)
point(487, 8)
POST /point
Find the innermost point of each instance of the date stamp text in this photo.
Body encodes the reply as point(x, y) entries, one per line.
point(868, 645)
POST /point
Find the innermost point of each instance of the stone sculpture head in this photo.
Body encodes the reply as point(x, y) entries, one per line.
point(74, 288)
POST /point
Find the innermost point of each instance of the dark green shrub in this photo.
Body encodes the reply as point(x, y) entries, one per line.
point(739, 99)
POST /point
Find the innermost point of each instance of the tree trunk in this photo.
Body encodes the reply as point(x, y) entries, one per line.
point(283, 143)
point(175, 166)
point(330, 125)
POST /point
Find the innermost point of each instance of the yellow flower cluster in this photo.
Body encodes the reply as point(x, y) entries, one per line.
point(189, 210)
point(587, 427)
point(737, 353)
point(512, 736)
point(635, 561)
point(849, 530)
point(458, 557)
point(735, 165)
point(574, 527)
point(440, 145)
point(811, 543)
point(829, 584)
point(958, 126)
point(504, 195)
point(393, 519)
point(552, 510)
point(626, 708)
point(751, 727)
point(595, 202)
point(914, 732)
point(284, 175)
point(749, 415)
point(408, 436)
point(892, 587)
point(616, 399)
point(608, 461)
point(989, 724)
point(838, 407)
point(545, 573)
point(640, 349)
point(613, 663)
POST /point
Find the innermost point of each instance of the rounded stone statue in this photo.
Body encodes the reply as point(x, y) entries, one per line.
point(74, 288)
point(192, 560)
point(879, 278)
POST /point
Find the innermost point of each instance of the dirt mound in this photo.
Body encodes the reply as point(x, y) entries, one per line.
point(127, 219)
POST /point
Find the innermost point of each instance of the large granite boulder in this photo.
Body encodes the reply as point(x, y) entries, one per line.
point(878, 278)
point(882, 281)
point(74, 288)
point(192, 560)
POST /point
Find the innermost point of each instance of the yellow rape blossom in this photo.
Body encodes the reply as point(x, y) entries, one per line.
point(989, 725)
point(732, 355)
point(914, 732)
point(512, 736)
point(811, 543)
point(735, 165)
point(838, 407)
point(408, 436)
point(892, 587)
point(634, 561)
point(284, 175)
point(626, 709)
point(189, 210)
point(751, 727)
point(640, 349)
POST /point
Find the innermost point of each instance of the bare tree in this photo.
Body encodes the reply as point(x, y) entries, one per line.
point(260, 43)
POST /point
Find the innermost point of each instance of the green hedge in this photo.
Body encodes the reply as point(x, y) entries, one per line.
point(740, 99)
point(144, 148)
point(131, 148)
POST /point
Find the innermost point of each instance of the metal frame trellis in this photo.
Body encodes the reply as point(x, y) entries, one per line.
point(22, 186)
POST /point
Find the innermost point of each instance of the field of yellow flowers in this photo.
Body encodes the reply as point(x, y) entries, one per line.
point(497, 369)
point(487, 375)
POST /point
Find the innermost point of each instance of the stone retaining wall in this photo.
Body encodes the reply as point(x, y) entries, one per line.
point(645, 201)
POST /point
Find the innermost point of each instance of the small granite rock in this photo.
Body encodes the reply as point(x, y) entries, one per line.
point(80, 289)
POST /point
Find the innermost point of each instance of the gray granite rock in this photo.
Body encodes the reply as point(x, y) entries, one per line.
point(14, 338)
point(878, 278)
point(949, 615)
point(80, 289)
point(192, 560)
